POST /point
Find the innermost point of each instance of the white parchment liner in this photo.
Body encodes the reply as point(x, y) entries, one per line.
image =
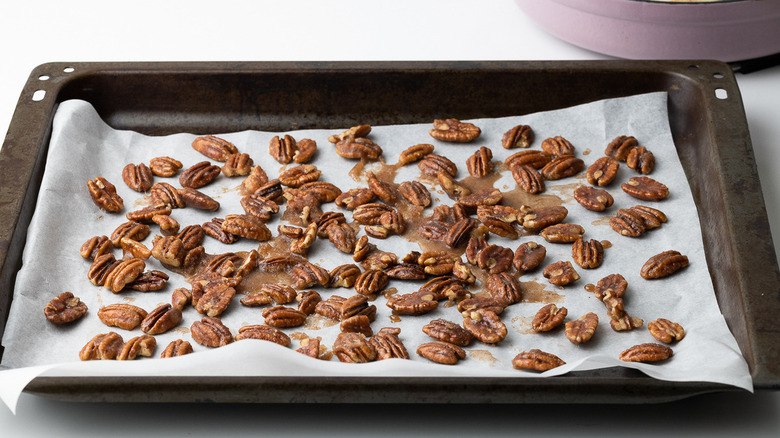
point(83, 147)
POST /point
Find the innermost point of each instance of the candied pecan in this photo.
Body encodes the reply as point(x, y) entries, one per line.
point(259, 206)
point(625, 322)
point(138, 177)
point(343, 237)
point(457, 234)
point(125, 272)
point(211, 332)
point(163, 318)
point(299, 175)
point(433, 229)
point(371, 282)
point(593, 199)
point(453, 130)
point(323, 191)
point(100, 268)
point(143, 345)
point(666, 331)
point(537, 219)
point(176, 348)
point(355, 131)
point(181, 298)
point(330, 308)
point(495, 259)
point(104, 346)
point(304, 150)
point(167, 224)
point(437, 262)
point(447, 331)
point(223, 264)
point(485, 325)
point(65, 308)
point(628, 222)
point(647, 189)
point(452, 188)
point(462, 272)
point(353, 348)
point(581, 330)
point(614, 285)
point(588, 255)
point(310, 347)
point(533, 158)
point(247, 226)
point(358, 148)
point(648, 352)
point(362, 249)
point(191, 236)
point(528, 256)
point(164, 166)
point(557, 146)
point(306, 275)
point(388, 345)
point(528, 178)
point(149, 281)
point(257, 180)
point(441, 352)
point(96, 246)
point(415, 303)
point(256, 299)
point(199, 175)
point(499, 219)
point(214, 229)
point(504, 287)
point(548, 318)
point(407, 271)
point(369, 214)
point(196, 199)
point(416, 193)
point(357, 305)
point(641, 160)
point(169, 250)
point(354, 198)
point(237, 165)
point(214, 147)
point(164, 194)
point(263, 333)
point(536, 360)
point(603, 171)
point(385, 191)
point(663, 265)
point(327, 219)
point(433, 164)
point(474, 246)
point(308, 300)
point(279, 263)
point(282, 149)
point(651, 217)
point(146, 214)
point(280, 293)
point(392, 221)
point(215, 299)
point(562, 233)
point(357, 324)
point(562, 167)
point(495, 305)
point(620, 147)
point(480, 163)
point(281, 316)
point(520, 136)
point(104, 195)
point(379, 260)
point(487, 197)
point(560, 273)
point(414, 153)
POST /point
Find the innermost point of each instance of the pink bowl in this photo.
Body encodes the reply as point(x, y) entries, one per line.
point(730, 30)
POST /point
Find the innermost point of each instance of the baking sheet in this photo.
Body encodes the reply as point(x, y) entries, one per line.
point(708, 353)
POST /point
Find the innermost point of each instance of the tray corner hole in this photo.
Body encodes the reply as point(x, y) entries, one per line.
point(44, 77)
point(717, 75)
point(722, 94)
point(38, 95)
point(68, 70)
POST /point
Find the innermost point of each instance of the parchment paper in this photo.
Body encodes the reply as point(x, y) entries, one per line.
point(84, 147)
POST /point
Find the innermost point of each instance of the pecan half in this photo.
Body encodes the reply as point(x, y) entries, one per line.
point(149, 281)
point(259, 206)
point(100, 268)
point(104, 195)
point(306, 275)
point(504, 287)
point(528, 256)
point(557, 146)
point(562, 233)
point(281, 316)
point(603, 171)
point(520, 136)
point(581, 330)
point(592, 198)
point(191, 236)
point(247, 226)
point(299, 175)
point(495, 259)
point(308, 300)
point(257, 180)
point(263, 333)
point(167, 224)
point(213, 228)
point(330, 308)
point(237, 165)
point(371, 282)
point(537, 219)
point(560, 273)
point(169, 250)
point(415, 303)
point(343, 237)
point(130, 230)
point(104, 346)
point(453, 130)
point(495, 305)
point(176, 348)
point(441, 288)
point(562, 167)
point(414, 153)
point(353, 198)
point(434, 164)
point(448, 331)
point(528, 178)
point(199, 175)
point(588, 255)
point(164, 194)
point(163, 318)
point(485, 325)
point(487, 197)
point(452, 188)
point(358, 148)
point(323, 191)
point(64, 308)
point(379, 260)
point(213, 297)
point(146, 214)
point(441, 352)
point(357, 324)
point(282, 149)
point(353, 348)
point(370, 214)
point(407, 271)
point(138, 177)
point(164, 166)
point(649, 352)
point(663, 265)
point(143, 345)
point(536, 360)
point(647, 189)
point(666, 331)
point(181, 298)
point(641, 160)
point(416, 193)
point(125, 272)
point(437, 262)
point(388, 345)
point(613, 285)
point(480, 163)
point(383, 190)
point(534, 158)
point(211, 332)
point(96, 246)
point(214, 147)
point(305, 150)
point(355, 131)
point(620, 147)
point(548, 318)
point(197, 199)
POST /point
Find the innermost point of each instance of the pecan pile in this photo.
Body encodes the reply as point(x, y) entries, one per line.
point(473, 251)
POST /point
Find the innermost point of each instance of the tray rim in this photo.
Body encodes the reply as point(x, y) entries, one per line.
point(39, 116)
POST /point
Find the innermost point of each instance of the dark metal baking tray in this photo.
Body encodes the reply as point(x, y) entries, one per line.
point(710, 133)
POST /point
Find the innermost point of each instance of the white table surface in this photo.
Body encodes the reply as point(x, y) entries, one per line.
point(32, 33)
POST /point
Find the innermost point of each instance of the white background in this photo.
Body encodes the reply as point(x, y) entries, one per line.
point(32, 33)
